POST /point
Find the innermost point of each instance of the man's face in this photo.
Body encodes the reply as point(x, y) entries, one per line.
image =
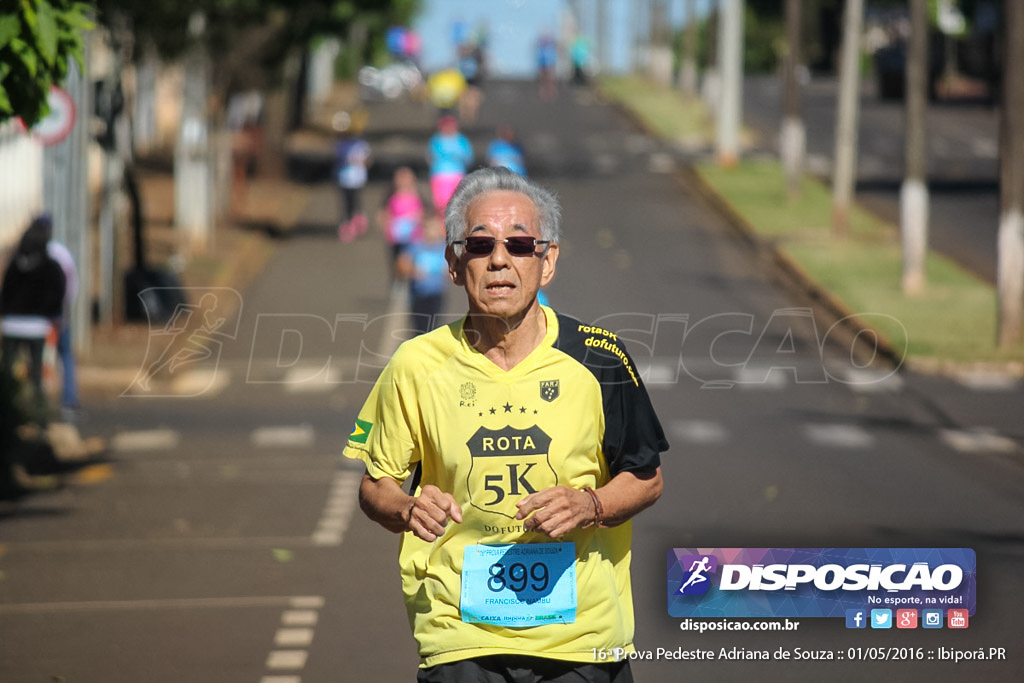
point(499, 283)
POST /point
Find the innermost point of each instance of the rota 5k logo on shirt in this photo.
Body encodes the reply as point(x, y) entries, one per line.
point(857, 584)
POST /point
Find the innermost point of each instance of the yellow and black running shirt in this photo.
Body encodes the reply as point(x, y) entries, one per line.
point(573, 413)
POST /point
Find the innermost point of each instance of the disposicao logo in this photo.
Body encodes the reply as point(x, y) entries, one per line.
point(696, 581)
point(817, 582)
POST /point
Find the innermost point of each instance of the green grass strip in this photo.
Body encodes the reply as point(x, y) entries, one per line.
point(952, 322)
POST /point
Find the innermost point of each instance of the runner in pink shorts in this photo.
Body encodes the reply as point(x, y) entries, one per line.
point(449, 154)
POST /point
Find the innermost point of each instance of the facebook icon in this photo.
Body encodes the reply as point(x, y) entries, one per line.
point(856, 618)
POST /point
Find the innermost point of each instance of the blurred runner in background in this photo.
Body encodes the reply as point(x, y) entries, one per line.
point(506, 151)
point(352, 155)
point(401, 217)
point(449, 154)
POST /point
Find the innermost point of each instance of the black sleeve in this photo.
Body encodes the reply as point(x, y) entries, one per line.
point(633, 438)
point(53, 302)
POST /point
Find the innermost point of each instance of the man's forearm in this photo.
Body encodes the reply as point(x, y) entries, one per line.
point(384, 501)
point(627, 494)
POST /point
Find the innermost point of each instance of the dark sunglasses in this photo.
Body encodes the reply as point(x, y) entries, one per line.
point(517, 246)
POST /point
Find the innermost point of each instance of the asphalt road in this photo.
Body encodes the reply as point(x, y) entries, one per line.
point(223, 541)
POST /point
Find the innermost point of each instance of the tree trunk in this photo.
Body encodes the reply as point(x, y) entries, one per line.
point(730, 54)
point(914, 193)
point(792, 141)
point(1010, 268)
point(688, 67)
point(844, 173)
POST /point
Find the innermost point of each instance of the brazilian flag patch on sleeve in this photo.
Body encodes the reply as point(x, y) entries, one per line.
point(361, 431)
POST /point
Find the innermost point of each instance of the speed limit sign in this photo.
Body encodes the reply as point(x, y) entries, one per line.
point(57, 125)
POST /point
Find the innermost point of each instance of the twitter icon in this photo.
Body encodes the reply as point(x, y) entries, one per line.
point(881, 618)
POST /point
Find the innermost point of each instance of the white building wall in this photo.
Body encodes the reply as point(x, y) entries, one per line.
point(21, 181)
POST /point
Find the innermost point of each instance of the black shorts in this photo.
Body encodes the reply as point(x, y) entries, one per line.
point(524, 669)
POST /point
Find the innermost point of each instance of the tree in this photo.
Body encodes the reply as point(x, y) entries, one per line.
point(37, 40)
point(914, 192)
point(845, 171)
point(792, 139)
point(1010, 269)
point(688, 60)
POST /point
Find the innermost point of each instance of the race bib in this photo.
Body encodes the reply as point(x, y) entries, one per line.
point(519, 585)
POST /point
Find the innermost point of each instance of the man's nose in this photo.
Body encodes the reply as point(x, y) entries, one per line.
point(499, 257)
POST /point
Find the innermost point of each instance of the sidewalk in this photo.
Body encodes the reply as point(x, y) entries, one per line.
point(241, 245)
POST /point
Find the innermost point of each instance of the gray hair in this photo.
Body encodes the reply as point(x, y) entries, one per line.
point(500, 179)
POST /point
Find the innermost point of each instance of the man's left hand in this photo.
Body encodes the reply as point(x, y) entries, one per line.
point(556, 511)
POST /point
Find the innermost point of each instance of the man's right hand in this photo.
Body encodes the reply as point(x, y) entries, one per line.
point(430, 511)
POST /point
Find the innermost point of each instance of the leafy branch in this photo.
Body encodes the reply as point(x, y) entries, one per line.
point(38, 38)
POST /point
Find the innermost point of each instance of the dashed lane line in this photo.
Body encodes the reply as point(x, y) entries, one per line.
point(337, 514)
point(296, 634)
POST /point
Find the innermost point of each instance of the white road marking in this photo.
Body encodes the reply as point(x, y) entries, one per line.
point(297, 632)
point(72, 546)
point(699, 431)
point(977, 441)
point(284, 436)
point(771, 379)
point(287, 659)
point(293, 637)
point(201, 382)
point(337, 514)
point(146, 440)
point(982, 380)
point(838, 435)
point(300, 617)
point(166, 604)
point(307, 602)
point(873, 381)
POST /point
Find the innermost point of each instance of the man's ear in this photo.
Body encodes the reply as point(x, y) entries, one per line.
point(454, 269)
point(548, 267)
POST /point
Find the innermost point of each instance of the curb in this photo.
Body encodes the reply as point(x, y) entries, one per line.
point(835, 306)
point(692, 180)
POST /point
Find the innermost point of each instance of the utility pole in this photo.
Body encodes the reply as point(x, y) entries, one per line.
point(730, 61)
point(914, 192)
point(844, 173)
point(1010, 267)
point(793, 136)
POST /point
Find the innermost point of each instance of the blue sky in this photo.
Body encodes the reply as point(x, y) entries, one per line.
point(515, 25)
